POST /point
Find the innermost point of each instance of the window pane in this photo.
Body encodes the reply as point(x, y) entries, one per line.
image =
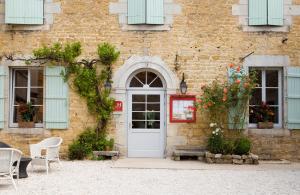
point(252, 114)
point(272, 96)
point(153, 98)
point(142, 77)
point(153, 124)
point(15, 110)
point(138, 115)
point(20, 95)
point(157, 83)
point(138, 124)
point(256, 97)
point(138, 98)
point(138, 107)
point(150, 77)
point(258, 76)
point(135, 83)
point(36, 96)
point(153, 116)
point(275, 119)
point(37, 78)
point(38, 118)
point(272, 78)
point(153, 107)
point(21, 78)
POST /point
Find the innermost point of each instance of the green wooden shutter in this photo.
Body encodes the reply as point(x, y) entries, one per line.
point(293, 97)
point(155, 12)
point(136, 11)
point(258, 12)
point(275, 12)
point(24, 11)
point(2, 78)
point(236, 120)
point(56, 99)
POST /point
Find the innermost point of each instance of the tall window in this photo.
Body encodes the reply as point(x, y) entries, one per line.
point(269, 91)
point(27, 85)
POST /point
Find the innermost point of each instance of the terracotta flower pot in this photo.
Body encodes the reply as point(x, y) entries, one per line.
point(265, 125)
point(25, 124)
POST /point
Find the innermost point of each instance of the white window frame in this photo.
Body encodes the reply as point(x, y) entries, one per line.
point(12, 95)
point(280, 94)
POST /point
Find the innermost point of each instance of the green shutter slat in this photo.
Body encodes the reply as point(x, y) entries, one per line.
point(293, 97)
point(2, 78)
point(56, 99)
point(24, 12)
point(235, 121)
point(155, 12)
point(136, 11)
point(275, 12)
point(258, 12)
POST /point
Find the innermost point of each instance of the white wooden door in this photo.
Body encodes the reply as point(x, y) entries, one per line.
point(146, 131)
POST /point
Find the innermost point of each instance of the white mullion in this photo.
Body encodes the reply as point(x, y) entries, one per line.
point(263, 80)
point(28, 85)
point(280, 98)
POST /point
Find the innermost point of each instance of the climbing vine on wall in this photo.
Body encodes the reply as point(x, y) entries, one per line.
point(89, 77)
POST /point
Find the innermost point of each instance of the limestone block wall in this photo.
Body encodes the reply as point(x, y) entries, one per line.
point(205, 36)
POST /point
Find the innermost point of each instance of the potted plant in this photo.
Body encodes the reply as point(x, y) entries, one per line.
point(264, 115)
point(26, 115)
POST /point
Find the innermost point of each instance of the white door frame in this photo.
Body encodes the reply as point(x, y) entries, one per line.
point(163, 110)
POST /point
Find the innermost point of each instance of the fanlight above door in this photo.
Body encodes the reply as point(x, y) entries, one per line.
point(146, 79)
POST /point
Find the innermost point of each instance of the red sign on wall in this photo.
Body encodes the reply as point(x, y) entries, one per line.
point(118, 106)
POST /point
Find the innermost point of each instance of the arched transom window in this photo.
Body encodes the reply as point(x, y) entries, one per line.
point(146, 79)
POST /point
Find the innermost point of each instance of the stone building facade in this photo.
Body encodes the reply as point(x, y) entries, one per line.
point(197, 38)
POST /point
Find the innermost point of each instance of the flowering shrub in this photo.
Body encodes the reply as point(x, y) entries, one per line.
point(216, 139)
point(231, 98)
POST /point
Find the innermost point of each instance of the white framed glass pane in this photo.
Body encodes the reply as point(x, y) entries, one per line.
point(153, 107)
point(20, 96)
point(139, 124)
point(36, 78)
point(139, 98)
point(271, 78)
point(153, 124)
point(21, 78)
point(256, 97)
point(139, 107)
point(272, 96)
point(38, 118)
point(138, 115)
point(142, 77)
point(153, 98)
point(36, 96)
point(153, 116)
point(135, 83)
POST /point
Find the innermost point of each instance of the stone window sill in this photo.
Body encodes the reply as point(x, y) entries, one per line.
point(269, 132)
point(26, 131)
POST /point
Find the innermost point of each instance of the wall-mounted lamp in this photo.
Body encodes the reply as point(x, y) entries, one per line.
point(176, 63)
point(107, 85)
point(183, 85)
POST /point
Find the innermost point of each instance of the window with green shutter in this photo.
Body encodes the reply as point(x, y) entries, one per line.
point(24, 12)
point(266, 12)
point(57, 104)
point(145, 11)
point(2, 78)
point(293, 97)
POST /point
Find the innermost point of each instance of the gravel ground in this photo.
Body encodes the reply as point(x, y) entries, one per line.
point(98, 177)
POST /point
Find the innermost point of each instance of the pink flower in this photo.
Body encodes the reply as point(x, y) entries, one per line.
point(225, 90)
point(231, 65)
point(238, 81)
point(238, 69)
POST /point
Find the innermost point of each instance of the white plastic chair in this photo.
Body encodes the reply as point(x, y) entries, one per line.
point(8, 156)
point(51, 147)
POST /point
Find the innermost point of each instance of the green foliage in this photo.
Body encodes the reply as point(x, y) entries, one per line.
point(87, 142)
point(107, 53)
point(85, 77)
point(242, 146)
point(58, 53)
point(228, 146)
point(27, 111)
point(77, 151)
point(215, 144)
